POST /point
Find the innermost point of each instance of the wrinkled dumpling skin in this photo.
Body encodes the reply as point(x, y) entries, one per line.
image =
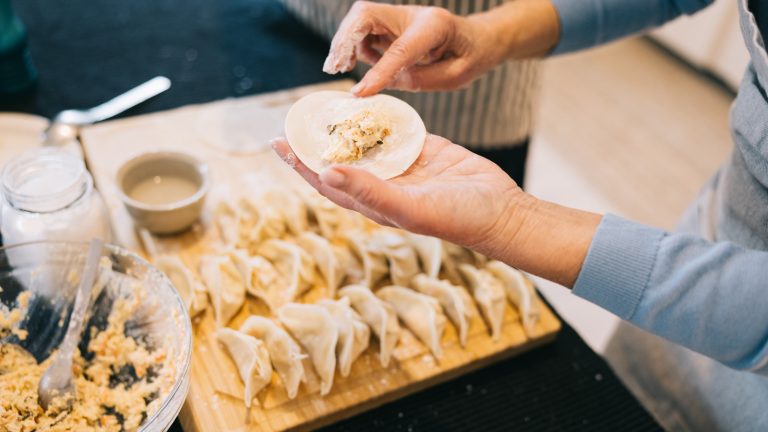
point(378, 314)
point(192, 291)
point(489, 295)
point(225, 286)
point(290, 206)
point(455, 301)
point(375, 266)
point(284, 352)
point(518, 292)
point(430, 251)
point(262, 280)
point(251, 358)
point(420, 313)
point(259, 221)
point(403, 263)
point(295, 266)
point(327, 257)
point(354, 334)
point(314, 328)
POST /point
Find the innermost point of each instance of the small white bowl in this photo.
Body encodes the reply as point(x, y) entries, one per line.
point(167, 217)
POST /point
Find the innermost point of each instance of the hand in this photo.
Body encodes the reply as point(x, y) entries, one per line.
point(413, 48)
point(449, 192)
point(419, 48)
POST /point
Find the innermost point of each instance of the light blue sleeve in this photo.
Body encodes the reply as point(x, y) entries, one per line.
point(586, 23)
point(709, 297)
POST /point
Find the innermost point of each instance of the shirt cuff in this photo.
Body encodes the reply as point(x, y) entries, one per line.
point(618, 265)
point(578, 26)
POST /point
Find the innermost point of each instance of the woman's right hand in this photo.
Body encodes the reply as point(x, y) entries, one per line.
point(418, 48)
point(412, 48)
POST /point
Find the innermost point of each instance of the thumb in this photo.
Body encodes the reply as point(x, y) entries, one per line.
point(368, 191)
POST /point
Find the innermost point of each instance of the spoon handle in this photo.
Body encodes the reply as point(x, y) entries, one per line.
point(130, 98)
point(82, 299)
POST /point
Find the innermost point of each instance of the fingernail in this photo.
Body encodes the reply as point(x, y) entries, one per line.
point(358, 88)
point(333, 177)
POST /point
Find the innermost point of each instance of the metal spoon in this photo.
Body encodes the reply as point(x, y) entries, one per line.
point(66, 124)
point(57, 381)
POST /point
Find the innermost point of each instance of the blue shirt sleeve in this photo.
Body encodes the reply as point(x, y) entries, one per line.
point(586, 23)
point(709, 297)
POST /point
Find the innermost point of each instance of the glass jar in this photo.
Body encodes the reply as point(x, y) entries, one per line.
point(49, 195)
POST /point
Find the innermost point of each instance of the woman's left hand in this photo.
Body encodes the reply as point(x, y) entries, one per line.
point(449, 192)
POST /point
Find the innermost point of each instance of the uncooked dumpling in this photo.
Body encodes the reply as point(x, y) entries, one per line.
point(378, 314)
point(251, 358)
point(329, 259)
point(192, 291)
point(430, 251)
point(518, 292)
point(259, 221)
point(381, 133)
point(354, 334)
point(295, 266)
point(403, 263)
point(489, 295)
point(262, 279)
point(284, 352)
point(290, 206)
point(455, 300)
point(421, 314)
point(225, 286)
point(314, 328)
point(374, 262)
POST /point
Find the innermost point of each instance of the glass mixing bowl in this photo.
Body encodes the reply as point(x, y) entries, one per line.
point(50, 270)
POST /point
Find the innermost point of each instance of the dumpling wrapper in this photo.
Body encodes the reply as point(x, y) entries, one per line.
point(192, 291)
point(225, 286)
point(251, 358)
point(378, 314)
point(284, 352)
point(490, 296)
point(421, 313)
point(314, 328)
point(306, 127)
point(519, 293)
point(455, 300)
point(354, 334)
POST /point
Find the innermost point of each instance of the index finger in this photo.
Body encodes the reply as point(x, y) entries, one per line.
point(356, 25)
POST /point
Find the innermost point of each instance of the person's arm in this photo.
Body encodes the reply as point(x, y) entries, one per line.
point(710, 297)
point(587, 23)
point(420, 48)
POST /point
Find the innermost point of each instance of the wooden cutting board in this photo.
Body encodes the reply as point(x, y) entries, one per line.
point(214, 403)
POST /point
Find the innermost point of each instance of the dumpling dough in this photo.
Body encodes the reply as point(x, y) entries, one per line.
point(455, 300)
point(295, 266)
point(225, 286)
point(322, 119)
point(403, 263)
point(489, 295)
point(374, 261)
point(252, 360)
point(192, 291)
point(354, 334)
point(329, 259)
point(519, 293)
point(314, 328)
point(262, 279)
point(378, 314)
point(430, 251)
point(420, 313)
point(284, 352)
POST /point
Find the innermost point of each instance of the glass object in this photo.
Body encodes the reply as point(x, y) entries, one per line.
point(16, 70)
point(45, 269)
point(49, 195)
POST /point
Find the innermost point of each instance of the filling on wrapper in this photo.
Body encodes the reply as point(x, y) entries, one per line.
point(380, 134)
point(351, 138)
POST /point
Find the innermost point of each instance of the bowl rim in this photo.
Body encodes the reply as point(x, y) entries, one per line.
point(201, 167)
point(187, 360)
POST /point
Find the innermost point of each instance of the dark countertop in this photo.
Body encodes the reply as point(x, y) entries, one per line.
point(87, 51)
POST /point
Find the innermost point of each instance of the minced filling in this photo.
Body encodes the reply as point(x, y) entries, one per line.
point(353, 137)
point(116, 389)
